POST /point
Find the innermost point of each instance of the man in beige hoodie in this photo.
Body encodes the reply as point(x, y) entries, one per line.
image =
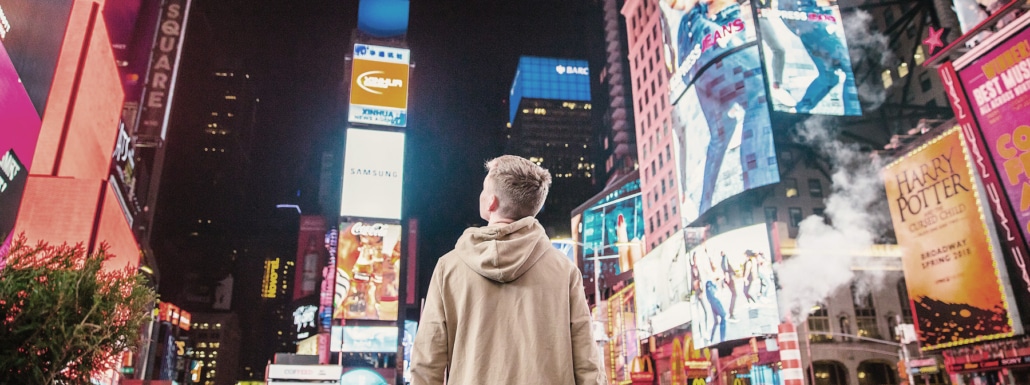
point(506, 307)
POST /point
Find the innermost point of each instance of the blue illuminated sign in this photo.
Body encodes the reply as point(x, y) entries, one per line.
point(549, 78)
point(383, 18)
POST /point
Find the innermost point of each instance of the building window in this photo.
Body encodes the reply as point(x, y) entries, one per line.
point(815, 188)
point(888, 78)
point(865, 314)
point(795, 216)
point(819, 325)
point(906, 306)
point(790, 186)
point(920, 55)
point(845, 328)
point(924, 82)
point(892, 327)
point(903, 70)
point(770, 215)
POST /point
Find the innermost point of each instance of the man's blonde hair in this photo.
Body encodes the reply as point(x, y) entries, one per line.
point(521, 186)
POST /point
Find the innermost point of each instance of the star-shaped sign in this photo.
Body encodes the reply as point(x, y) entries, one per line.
point(933, 42)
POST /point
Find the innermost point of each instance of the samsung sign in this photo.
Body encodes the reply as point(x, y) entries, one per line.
point(373, 172)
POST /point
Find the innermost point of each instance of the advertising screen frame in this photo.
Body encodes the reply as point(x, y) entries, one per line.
point(662, 304)
point(960, 276)
point(760, 317)
point(373, 174)
point(616, 244)
point(368, 255)
point(804, 45)
point(718, 92)
point(375, 73)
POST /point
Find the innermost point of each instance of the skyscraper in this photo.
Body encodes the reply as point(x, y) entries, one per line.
point(619, 142)
point(551, 125)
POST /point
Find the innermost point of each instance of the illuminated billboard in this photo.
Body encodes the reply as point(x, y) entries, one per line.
point(807, 58)
point(997, 86)
point(951, 261)
point(270, 280)
point(735, 297)
point(311, 255)
point(549, 78)
point(611, 229)
point(373, 174)
point(408, 342)
point(369, 339)
point(379, 85)
point(368, 271)
point(663, 284)
point(720, 105)
point(17, 144)
point(32, 31)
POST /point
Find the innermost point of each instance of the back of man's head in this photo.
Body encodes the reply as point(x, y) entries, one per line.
point(521, 186)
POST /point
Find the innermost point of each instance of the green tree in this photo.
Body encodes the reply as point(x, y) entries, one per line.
point(62, 317)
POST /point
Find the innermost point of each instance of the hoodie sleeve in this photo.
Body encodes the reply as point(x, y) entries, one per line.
point(585, 358)
point(430, 352)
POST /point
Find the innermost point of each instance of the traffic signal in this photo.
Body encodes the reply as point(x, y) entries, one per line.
point(902, 371)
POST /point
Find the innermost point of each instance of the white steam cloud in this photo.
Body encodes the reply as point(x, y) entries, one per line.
point(828, 250)
point(872, 49)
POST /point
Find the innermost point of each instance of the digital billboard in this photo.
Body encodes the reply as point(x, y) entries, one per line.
point(549, 78)
point(373, 174)
point(369, 339)
point(997, 84)
point(806, 55)
point(612, 230)
point(17, 144)
point(304, 321)
point(951, 263)
point(379, 85)
point(125, 174)
point(363, 376)
point(663, 284)
point(735, 297)
point(311, 255)
point(718, 93)
point(32, 31)
point(368, 271)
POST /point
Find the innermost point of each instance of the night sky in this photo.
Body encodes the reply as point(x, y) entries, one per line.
point(465, 54)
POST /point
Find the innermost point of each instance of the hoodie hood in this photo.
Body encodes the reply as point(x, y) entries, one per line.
point(503, 253)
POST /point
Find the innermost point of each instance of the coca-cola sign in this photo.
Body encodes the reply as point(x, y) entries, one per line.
point(370, 230)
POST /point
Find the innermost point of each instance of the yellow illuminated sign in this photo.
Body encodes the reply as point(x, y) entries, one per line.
point(270, 282)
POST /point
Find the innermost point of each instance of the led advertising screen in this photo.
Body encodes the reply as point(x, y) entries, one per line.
point(806, 56)
point(373, 174)
point(612, 230)
point(304, 321)
point(367, 271)
point(379, 85)
point(21, 127)
point(32, 31)
point(718, 93)
point(363, 376)
point(549, 78)
point(735, 279)
point(997, 84)
point(664, 289)
point(951, 262)
point(370, 339)
point(311, 255)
